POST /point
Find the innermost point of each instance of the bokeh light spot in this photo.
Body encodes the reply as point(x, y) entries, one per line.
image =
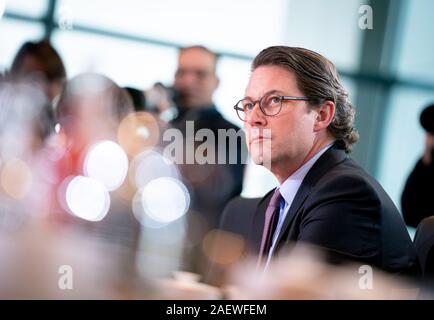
point(137, 132)
point(150, 165)
point(107, 162)
point(223, 248)
point(87, 198)
point(16, 178)
point(165, 199)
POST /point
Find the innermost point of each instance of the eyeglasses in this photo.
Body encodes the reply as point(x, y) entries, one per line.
point(270, 105)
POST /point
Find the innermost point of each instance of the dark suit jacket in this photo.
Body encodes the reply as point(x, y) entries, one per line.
point(344, 211)
point(424, 243)
point(211, 186)
point(416, 199)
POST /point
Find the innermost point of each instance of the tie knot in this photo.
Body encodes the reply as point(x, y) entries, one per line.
point(275, 199)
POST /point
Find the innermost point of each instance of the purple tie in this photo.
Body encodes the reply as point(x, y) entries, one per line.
point(273, 205)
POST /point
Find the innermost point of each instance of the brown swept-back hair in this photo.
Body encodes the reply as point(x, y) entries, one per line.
point(318, 79)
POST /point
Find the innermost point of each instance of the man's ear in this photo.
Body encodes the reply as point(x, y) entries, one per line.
point(324, 115)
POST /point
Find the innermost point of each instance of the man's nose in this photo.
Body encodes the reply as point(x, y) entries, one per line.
point(256, 117)
point(189, 79)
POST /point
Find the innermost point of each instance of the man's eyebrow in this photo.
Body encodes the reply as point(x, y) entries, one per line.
point(274, 91)
point(266, 93)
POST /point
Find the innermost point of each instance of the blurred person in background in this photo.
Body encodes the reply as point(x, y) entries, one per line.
point(39, 242)
point(41, 63)
point(138, 98)
point(416, 199)
point(157, 100)
point(90, 109)
point(211, 185)
point(160, 101)
point(195, 80)
point(40, 60)
point(23, 169)
point(89, 112)
point(296, 105)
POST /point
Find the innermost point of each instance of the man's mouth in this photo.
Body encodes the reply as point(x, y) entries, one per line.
point(258, 139)
point(259, 135)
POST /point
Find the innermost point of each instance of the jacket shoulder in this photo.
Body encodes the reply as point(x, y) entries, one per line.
point(347, 180)
point(238, 215)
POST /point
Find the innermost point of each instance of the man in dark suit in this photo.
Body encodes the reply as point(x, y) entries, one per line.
point(211, 184)
point(300, 124)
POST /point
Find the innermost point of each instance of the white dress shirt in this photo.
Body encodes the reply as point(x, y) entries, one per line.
point(288, 190)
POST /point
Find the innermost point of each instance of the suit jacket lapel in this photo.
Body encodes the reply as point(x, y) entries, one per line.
point(329, 159)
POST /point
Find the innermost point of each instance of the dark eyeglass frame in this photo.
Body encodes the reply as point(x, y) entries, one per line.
point(260, 102)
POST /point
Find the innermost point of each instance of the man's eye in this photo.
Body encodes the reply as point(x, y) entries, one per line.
point(180, 73)
point(248, 106)
point(201, 74)
point(275, 99)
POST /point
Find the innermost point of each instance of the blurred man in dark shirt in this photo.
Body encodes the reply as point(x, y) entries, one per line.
point(416, 200)
point(211, 185)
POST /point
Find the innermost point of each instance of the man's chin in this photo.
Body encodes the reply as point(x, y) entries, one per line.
point(261, 160)
point(259, 157)
point(258, 160)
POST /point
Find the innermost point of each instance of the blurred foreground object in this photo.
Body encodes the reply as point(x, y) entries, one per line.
point(39, 262)
point(24, 167)
point(186, 286)
point(304, 275)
